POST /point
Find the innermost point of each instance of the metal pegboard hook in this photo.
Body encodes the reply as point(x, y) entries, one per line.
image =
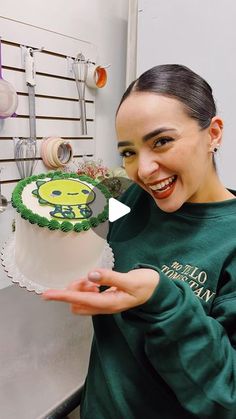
point(36, 49)
point(80, 57)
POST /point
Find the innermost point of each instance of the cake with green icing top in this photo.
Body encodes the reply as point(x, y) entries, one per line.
point(61, 226)
point(61, 197)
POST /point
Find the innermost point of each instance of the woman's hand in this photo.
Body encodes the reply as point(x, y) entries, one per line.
point(126, 290)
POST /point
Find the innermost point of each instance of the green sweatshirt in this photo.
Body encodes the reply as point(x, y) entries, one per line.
point(174, 356)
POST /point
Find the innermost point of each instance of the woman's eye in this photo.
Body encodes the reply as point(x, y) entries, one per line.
point(126, 153)
point(162, 141)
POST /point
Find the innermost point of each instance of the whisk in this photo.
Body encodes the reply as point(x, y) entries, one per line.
point(26, 148)
point(80, 68)
point(24, 154)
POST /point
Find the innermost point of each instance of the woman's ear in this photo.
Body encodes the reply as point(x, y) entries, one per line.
point(215, 130)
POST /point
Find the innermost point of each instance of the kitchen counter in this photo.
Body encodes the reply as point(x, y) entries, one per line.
point(44, 354)
point(44, 350)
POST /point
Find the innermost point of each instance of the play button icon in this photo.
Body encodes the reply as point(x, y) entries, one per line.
point(117, 209)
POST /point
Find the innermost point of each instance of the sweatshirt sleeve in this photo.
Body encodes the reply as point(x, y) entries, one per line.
point(192, 351)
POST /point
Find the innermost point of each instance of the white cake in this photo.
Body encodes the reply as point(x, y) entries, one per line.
point(61, 227)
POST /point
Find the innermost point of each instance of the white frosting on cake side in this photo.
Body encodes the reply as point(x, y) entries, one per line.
point(55, 258)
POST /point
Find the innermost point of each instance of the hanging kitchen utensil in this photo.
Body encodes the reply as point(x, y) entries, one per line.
point(23, 156)
point(80, 68)
point(3, 200)
point(8, 96)
point(31, 149)
point(26, 148)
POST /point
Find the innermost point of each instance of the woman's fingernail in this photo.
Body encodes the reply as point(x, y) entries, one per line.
point(45, 297)
point(94, 276)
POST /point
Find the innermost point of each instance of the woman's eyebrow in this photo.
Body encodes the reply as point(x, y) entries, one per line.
point(124, 143)
point(146, 137)
point(156, 132)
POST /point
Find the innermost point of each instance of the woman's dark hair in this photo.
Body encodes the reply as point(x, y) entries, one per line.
point(181, 83)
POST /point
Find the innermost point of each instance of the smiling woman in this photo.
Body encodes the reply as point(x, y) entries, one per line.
point(165, 347)
point(168, 130)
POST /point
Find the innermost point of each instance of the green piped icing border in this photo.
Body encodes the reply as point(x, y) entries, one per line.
point(65, 226)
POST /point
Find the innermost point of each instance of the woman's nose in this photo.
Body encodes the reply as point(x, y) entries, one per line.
point(147, 166)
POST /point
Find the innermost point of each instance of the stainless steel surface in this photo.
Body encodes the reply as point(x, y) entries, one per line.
point(26, 148)
point(80, 71)
point(44, 349)
point(32, 143)
point(32, 122)
point(44, 354)
point(24, 154)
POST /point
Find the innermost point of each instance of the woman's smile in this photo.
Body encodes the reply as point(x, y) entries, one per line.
point(164, 188)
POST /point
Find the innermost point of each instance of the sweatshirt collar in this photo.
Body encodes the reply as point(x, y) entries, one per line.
point(209, 209)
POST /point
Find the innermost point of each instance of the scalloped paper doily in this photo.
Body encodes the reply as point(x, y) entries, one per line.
point(13, 272)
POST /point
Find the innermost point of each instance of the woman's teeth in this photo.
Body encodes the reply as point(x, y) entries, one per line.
point(163, 185)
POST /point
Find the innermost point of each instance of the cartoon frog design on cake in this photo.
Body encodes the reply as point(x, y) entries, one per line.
point(69, 197)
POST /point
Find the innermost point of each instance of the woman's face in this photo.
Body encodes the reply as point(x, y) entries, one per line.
point(164, 150)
